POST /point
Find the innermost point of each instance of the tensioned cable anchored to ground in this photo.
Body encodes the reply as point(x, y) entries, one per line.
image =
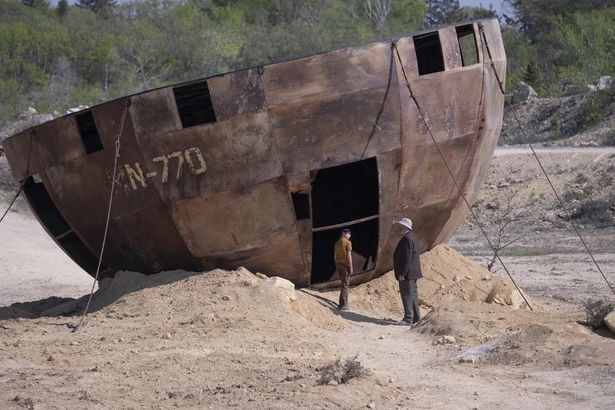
point(559, 199)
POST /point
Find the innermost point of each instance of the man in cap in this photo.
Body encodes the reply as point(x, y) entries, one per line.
point(407, 267)
point(343, 265)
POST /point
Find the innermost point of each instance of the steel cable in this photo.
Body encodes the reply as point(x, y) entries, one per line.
point(104, 241)
point(559, 199)
point(413, 97)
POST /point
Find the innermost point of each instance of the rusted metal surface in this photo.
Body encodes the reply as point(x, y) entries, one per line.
point(237, 191)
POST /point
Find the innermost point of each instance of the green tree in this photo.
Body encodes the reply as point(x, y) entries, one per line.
point(97, 6)
point(531, 75)
point(62, 8)
point(441, 12)
point(36, 3)
point(475, 13)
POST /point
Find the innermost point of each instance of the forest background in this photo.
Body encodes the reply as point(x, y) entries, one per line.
point(61, 56)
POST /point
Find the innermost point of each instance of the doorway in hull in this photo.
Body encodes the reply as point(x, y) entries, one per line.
point(345, 196)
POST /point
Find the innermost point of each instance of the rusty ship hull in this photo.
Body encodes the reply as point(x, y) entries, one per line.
point(263, 167)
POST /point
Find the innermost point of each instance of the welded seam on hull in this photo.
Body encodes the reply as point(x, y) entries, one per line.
point(289, 197)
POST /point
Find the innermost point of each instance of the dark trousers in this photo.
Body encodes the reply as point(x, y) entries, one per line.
point(344, 272)
point(410, 299)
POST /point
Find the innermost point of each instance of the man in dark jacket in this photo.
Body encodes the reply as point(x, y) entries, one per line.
point(407, 267)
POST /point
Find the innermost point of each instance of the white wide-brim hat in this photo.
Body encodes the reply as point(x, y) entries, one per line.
point(407, 222)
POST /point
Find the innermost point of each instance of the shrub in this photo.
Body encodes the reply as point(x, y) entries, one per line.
point(340, 373)
point(610, 138)
point(595, 212)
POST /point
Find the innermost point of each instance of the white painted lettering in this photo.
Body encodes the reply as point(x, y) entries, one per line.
point(202, 166)
point(180, 162)
point(138, 175)
point(165, 167)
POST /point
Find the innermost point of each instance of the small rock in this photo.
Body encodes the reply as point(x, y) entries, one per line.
point(476, 393)
point(380, 337)
point(468, 359)
point(74, 343)
point(445, 340)
point(285, 287)
point(226, 298)
point(609, 321)
point(371, 405)
point(260, 275)
point(31, 111)
point(522, 92)
point(571, 89)
point(504, 294)
point(51, 358)
point(76, 109)
point(604, 82)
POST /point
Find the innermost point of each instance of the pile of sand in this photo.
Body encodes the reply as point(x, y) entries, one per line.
point(448, 277)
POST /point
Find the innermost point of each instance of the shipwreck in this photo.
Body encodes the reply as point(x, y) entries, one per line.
point(264, 167)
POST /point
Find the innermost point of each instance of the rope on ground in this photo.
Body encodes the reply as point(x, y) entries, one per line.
point(384, 99)
point(465, 199)
point(104, 241)
point(525, 135)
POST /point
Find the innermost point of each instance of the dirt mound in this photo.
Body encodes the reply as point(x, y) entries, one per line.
point(447, 276)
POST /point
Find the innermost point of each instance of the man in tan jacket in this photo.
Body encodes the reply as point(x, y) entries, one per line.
point(343, 266)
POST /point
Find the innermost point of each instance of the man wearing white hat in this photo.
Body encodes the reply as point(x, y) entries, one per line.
point(407, 267)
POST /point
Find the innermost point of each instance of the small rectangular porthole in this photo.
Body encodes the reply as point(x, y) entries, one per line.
point(467, 44)
point(428, 53)
point(89, 133)
point(194, 104)
point(301, 203)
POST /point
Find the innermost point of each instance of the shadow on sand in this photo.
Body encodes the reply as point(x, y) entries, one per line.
point(349, 315)
point(109, 291)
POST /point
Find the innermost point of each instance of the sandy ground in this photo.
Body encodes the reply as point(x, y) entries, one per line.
point(237, 340)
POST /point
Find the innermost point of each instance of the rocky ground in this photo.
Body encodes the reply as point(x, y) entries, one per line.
point(517, 205)
point(585, 117)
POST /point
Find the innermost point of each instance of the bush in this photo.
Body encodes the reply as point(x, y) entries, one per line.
point(595, 212)
point(610, 138)
point(340, 373)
